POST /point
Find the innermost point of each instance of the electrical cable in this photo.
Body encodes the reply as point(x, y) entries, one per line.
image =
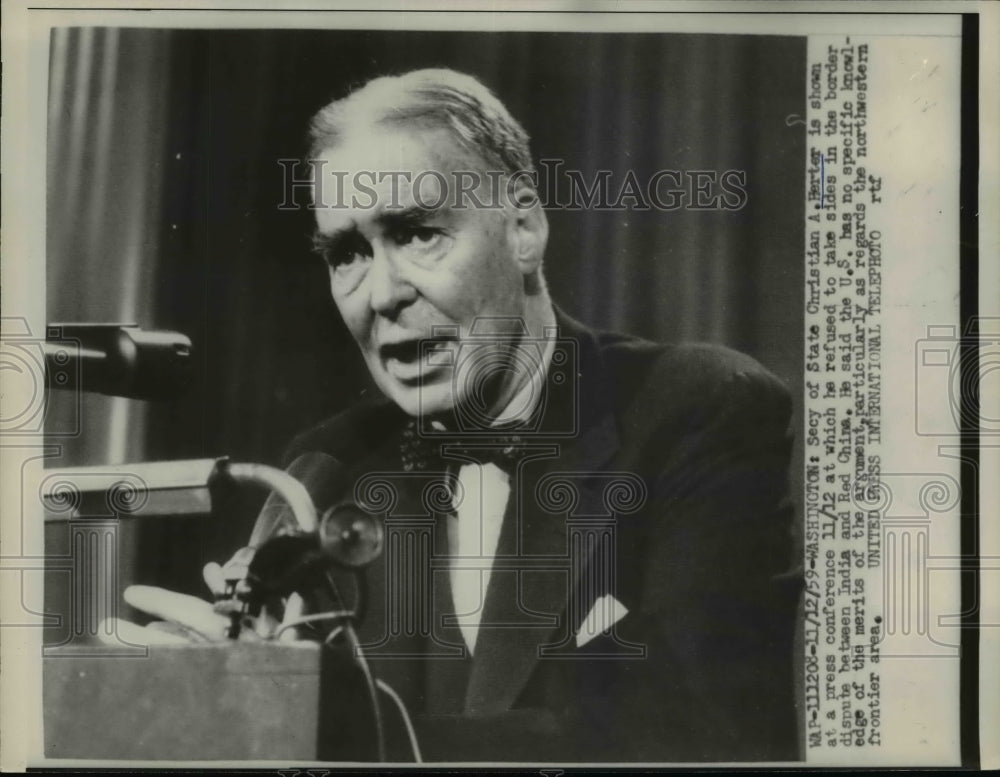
point(333, 635)
point(401, 706)
point(322, 616)
point(347, 628)
point(355, 644)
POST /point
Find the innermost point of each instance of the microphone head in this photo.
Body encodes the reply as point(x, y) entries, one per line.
point(120, 360)
point(284, 564)
point(350, 536)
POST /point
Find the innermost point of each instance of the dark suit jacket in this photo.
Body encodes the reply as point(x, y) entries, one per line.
point(658, 475)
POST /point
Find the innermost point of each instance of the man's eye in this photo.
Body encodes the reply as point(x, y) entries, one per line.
point(420, 238)
point(340, 254)
point(339, 258)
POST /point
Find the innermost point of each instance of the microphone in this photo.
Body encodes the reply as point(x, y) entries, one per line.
point(286, 561)
point(324, 478)
point(285, 558)
point(119, 360)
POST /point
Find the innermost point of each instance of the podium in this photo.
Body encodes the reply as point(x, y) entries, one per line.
point(231, 701)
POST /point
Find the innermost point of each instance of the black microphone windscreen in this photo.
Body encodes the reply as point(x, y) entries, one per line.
point(120, 360)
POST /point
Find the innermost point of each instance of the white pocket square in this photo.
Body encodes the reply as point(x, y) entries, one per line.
point(605, 613)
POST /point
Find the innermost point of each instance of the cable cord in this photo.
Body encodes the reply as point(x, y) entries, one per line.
point(310, 619)
point(401, 706)
point(355, 645)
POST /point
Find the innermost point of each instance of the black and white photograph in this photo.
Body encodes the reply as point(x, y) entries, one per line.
point(484, 388)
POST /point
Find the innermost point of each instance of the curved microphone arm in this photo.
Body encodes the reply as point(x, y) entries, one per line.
point(236, 570)
point(290, 489)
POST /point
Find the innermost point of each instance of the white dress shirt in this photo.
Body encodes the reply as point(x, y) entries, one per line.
point(474, 526)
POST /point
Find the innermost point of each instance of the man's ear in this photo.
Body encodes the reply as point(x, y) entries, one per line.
point(529, 231)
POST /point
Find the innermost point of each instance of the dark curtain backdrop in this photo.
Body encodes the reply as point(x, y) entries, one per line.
point(203, 116)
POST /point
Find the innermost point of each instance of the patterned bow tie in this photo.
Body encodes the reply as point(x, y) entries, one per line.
point(420, 452)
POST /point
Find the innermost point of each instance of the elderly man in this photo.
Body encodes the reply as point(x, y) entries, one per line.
point(597, 575)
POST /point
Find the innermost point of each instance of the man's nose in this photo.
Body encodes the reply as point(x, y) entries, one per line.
point(389, 290)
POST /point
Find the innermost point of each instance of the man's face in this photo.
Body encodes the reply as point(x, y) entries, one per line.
point(398, 270)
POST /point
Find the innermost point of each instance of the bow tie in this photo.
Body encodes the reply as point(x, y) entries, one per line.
point(420, 452)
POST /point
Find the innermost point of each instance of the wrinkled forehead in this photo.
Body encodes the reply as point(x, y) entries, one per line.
point(375, 168)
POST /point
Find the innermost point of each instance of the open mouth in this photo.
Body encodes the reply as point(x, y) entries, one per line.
point(406, 352)
point(408, 360)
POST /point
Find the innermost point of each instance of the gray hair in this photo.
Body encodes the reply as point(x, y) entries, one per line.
point(435, 98)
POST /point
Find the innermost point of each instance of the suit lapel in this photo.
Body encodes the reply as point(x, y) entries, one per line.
point(535, 573)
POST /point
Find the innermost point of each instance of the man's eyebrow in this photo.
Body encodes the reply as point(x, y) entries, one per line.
point(397, 218)
point(323, 240)
point(408, 216)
